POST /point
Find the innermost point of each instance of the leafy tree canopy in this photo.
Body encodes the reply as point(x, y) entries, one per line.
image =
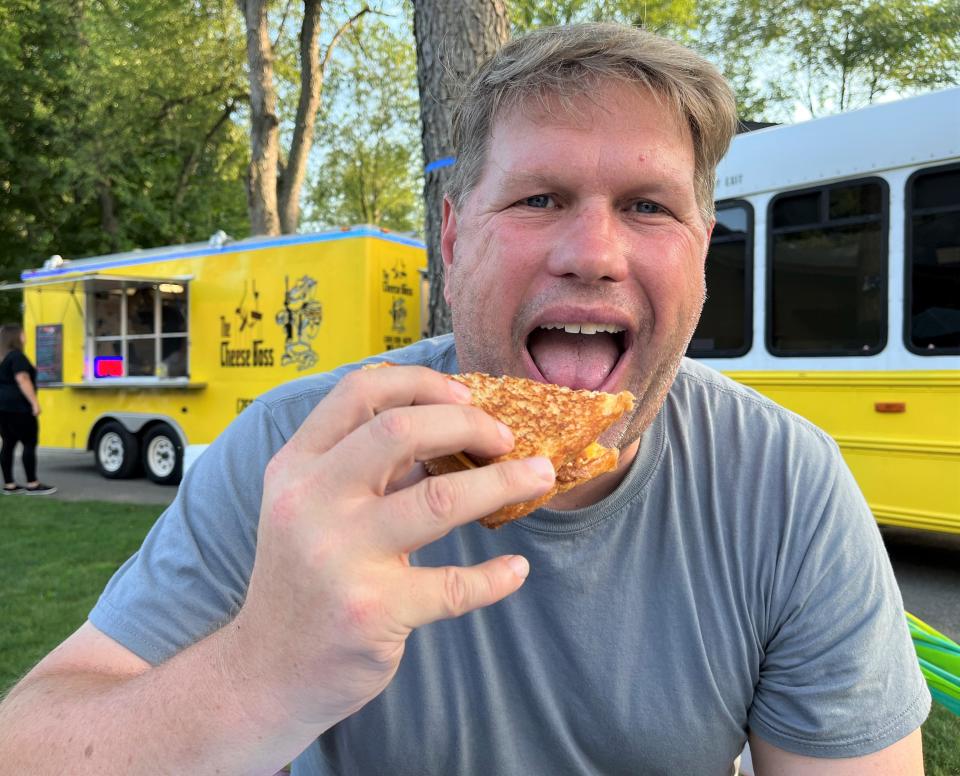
point(118, 128)
point(676, 17)
point(796, 56)
point(125, 121)
point(828, 56)
point(370, 168)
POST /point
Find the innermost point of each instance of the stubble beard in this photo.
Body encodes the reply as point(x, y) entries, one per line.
point(474, 355)
point(649, 398)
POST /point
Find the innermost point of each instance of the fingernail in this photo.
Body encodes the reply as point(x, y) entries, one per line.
point(505, 432)
point(519, 565)
point(542, 468)
point(460, 391)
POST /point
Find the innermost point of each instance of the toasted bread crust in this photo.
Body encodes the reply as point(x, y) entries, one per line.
point(557, 422)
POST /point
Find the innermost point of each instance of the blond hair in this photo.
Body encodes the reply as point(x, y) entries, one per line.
point(570, 61)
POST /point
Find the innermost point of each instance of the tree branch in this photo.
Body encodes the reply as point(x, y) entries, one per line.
point(311, 84)
point(168, 104)
point(190, 164)
point(283, 21)
point(339, 34)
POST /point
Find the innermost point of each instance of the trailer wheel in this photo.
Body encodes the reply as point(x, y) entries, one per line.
point(162, 455)
point(116, 451)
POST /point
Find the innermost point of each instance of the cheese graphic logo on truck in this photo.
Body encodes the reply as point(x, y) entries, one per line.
point(300, 318)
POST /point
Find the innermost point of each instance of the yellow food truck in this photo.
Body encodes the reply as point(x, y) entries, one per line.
point(140, 354)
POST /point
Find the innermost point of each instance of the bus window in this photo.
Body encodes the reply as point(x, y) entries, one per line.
point(826, 274)
point(725, 328)
point(933, 262)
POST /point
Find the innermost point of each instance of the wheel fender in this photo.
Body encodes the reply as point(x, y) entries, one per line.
point(134, 422)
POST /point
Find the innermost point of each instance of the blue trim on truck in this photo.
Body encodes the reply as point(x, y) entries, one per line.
point(130, 260)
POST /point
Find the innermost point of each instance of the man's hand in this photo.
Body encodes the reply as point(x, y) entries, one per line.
point(333, 597)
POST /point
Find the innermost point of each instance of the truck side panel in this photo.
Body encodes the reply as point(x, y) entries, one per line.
point(257, 318)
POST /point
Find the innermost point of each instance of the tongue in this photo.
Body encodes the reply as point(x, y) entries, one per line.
point(574, 360)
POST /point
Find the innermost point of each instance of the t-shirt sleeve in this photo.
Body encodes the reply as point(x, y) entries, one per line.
point(19, 363)
point(190, 575)
point(839, 675)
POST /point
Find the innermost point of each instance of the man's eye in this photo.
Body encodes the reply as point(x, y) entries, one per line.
point(648, 208)
point(538, 200)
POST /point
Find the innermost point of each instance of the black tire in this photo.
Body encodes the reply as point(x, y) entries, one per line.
point(162, 455)
point(116, 452)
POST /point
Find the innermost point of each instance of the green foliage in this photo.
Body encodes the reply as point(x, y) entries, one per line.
point(370, 170)
point(32, 80)
point(676, 17)
point(823, 56)
point(57, 557)
point(119, 128)
point(165, 79)
point(832, 55)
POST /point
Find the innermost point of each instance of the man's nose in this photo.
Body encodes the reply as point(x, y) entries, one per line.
point(591, 247)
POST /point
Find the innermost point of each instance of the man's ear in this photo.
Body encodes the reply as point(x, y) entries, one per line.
point(448, 239)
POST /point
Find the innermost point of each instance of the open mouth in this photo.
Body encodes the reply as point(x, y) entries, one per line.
point(578, 355)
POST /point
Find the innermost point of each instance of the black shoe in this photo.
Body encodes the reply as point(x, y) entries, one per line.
point(38, 490)
point(12, 491)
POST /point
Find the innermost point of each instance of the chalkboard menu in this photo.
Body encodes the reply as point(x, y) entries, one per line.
point(49, 339)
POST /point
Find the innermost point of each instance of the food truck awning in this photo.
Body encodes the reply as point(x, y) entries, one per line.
point(94, 281)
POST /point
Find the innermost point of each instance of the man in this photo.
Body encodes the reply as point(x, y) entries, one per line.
point(725, 581)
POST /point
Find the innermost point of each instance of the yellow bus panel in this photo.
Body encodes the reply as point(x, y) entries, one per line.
point(898, 431)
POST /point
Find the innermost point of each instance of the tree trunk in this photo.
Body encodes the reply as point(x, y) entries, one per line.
point(264, 125)
point(311, 82)
point(453, 38)
point(108, 216)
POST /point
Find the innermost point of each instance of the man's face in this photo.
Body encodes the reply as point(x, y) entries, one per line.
point(578, 258)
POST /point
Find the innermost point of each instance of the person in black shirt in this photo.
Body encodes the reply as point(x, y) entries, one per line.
point(18, 412)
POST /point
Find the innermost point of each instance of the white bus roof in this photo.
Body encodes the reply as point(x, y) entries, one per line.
point(912, 131)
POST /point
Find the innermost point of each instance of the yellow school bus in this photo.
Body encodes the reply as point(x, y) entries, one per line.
point(140, 354)
point(833, 282)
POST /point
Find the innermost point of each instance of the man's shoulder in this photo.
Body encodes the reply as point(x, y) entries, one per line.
point(291, 402)
point(702, 394)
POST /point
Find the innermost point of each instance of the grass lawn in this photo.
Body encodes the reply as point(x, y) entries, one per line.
point(57, 556)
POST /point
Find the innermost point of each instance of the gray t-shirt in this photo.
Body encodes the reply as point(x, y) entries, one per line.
point(735, 580)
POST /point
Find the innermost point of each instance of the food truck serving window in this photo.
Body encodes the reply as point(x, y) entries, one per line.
point(137, 329)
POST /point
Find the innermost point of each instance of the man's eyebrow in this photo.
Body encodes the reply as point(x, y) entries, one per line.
point(520, 178)
point(640, 187)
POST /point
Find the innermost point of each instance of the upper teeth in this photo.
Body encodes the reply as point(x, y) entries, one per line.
point(584, 328)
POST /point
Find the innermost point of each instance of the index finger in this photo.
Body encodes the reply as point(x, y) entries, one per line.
point(363, 393)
